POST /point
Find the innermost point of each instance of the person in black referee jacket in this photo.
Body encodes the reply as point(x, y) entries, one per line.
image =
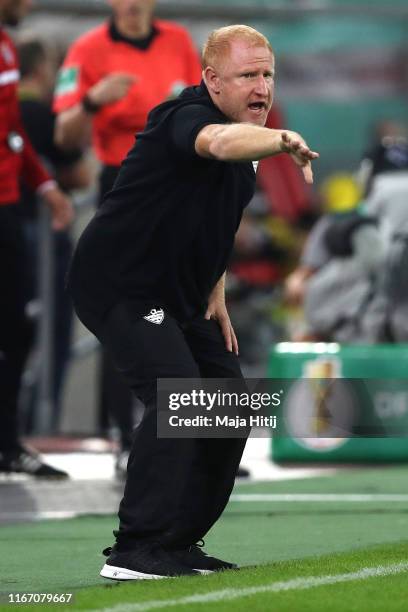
point(148, 280)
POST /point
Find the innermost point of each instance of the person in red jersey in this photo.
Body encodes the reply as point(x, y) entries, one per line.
point(18, 161)
point(116, 73)
point(111, 78)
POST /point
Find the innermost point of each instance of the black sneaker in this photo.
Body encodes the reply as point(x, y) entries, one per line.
point(196, 558)
point(243, 472)
point(24, 461)
point(147, 561)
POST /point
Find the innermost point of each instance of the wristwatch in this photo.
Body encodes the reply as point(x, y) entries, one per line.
point(89, 106)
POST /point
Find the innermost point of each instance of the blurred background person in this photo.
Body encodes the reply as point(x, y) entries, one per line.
point(386, 318)
point(341, 253)
point(255, 272)
point(71, 171)
point(17, 161)
point(111, 77)
point(340, 196)
point(383, 131)
point(337, 295)
point(352, 278)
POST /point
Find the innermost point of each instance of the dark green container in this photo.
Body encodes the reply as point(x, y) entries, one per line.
point(290, 360)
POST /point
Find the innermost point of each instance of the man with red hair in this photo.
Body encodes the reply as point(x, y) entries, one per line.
point(148, 279)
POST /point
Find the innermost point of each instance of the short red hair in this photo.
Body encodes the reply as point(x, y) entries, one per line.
point(218, 42)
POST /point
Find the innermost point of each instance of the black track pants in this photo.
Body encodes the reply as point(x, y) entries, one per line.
point(115, 400)
point(15, 331)
point(176, 488)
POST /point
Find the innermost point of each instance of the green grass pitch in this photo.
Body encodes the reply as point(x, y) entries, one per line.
point(295, 555)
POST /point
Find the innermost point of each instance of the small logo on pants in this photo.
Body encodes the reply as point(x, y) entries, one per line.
point(155, 316)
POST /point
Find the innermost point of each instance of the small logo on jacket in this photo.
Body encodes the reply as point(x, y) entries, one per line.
point(7, 53)
point(155, 316)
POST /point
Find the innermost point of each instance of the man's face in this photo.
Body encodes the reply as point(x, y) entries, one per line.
point(133, 11)
point(246, 83)
point(13, 11)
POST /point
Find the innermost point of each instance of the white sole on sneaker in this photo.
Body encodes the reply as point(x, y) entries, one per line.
point(122, 573)
point(204, 572)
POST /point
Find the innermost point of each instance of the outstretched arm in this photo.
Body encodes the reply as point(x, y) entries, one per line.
point(246, 142)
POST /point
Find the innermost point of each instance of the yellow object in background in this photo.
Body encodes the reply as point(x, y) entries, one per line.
point(340, 193)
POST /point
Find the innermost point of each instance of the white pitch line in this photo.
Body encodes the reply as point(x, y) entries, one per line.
point(236, 497)
point(274, 587)
point(318, 497)
point(41, 515)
